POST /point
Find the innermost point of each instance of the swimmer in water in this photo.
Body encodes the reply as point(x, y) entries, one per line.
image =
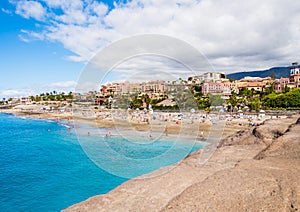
point(107, 135)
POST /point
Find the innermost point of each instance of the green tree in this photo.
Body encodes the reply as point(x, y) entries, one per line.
point(216, 100)
point(285, 89)
point(283, 100)
point(273, 75)
point(32, 98)
point(254, 104)
point(231, 79)
point(203, 103)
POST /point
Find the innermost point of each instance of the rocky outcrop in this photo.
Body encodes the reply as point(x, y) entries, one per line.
point(271, 183)
point(263, 134)
point(254, 170)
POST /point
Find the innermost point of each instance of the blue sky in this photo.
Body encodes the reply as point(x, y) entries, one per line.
point(30, 65)
point(35, 65)
point(45, 44)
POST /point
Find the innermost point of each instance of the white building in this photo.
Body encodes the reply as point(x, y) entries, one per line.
point(295, 69)
point(210, 77)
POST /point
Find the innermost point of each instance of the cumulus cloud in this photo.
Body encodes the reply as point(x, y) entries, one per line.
point(137, 69)
point(30, 9)
point(235, 36)
point(64, 86)
point(13, 93)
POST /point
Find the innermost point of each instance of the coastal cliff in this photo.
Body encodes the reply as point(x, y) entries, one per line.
point(255, 169)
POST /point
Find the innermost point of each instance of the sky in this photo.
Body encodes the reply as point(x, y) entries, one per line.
point(46, 44)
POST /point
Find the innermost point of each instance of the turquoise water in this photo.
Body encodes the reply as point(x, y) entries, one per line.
point(44, 168)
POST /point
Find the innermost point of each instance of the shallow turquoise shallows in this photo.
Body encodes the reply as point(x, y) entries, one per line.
point(44, 168)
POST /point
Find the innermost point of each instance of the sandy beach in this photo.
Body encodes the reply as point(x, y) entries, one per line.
point(193, 125)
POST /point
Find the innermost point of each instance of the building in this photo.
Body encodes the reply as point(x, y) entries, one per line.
point(222, 88)
point(24, 100)
point(295, 70)
point(126, 87)
point(294, 79)
point(158, 86)
point(119, 88)
point(209, 77)
point(255, 83)
point(281, 84)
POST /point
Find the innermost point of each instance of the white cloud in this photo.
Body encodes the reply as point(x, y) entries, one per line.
point(6, 11)
point(27, 36)
point(64, 86)
point(235, 36)
point(137, 69)
point(98, 8)
point(13, 93)
point(55, 3)
point(31, 9)
point(67, 84)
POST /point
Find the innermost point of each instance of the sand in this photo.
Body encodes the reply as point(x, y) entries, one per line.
point(186, 127)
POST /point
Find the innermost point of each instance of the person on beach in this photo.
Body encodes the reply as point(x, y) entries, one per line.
point(201, 136)
point(166, 130)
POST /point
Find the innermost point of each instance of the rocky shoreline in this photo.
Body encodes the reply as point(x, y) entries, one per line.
point(256, 169)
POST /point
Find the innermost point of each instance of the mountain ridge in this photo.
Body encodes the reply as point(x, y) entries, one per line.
point(278, 71)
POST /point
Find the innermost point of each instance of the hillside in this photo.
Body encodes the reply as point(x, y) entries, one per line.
point(278, 71)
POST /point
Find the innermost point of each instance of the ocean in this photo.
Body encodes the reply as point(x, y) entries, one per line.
point(43, 167)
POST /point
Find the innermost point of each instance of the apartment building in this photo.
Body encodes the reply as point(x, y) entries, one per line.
point(209, 77)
